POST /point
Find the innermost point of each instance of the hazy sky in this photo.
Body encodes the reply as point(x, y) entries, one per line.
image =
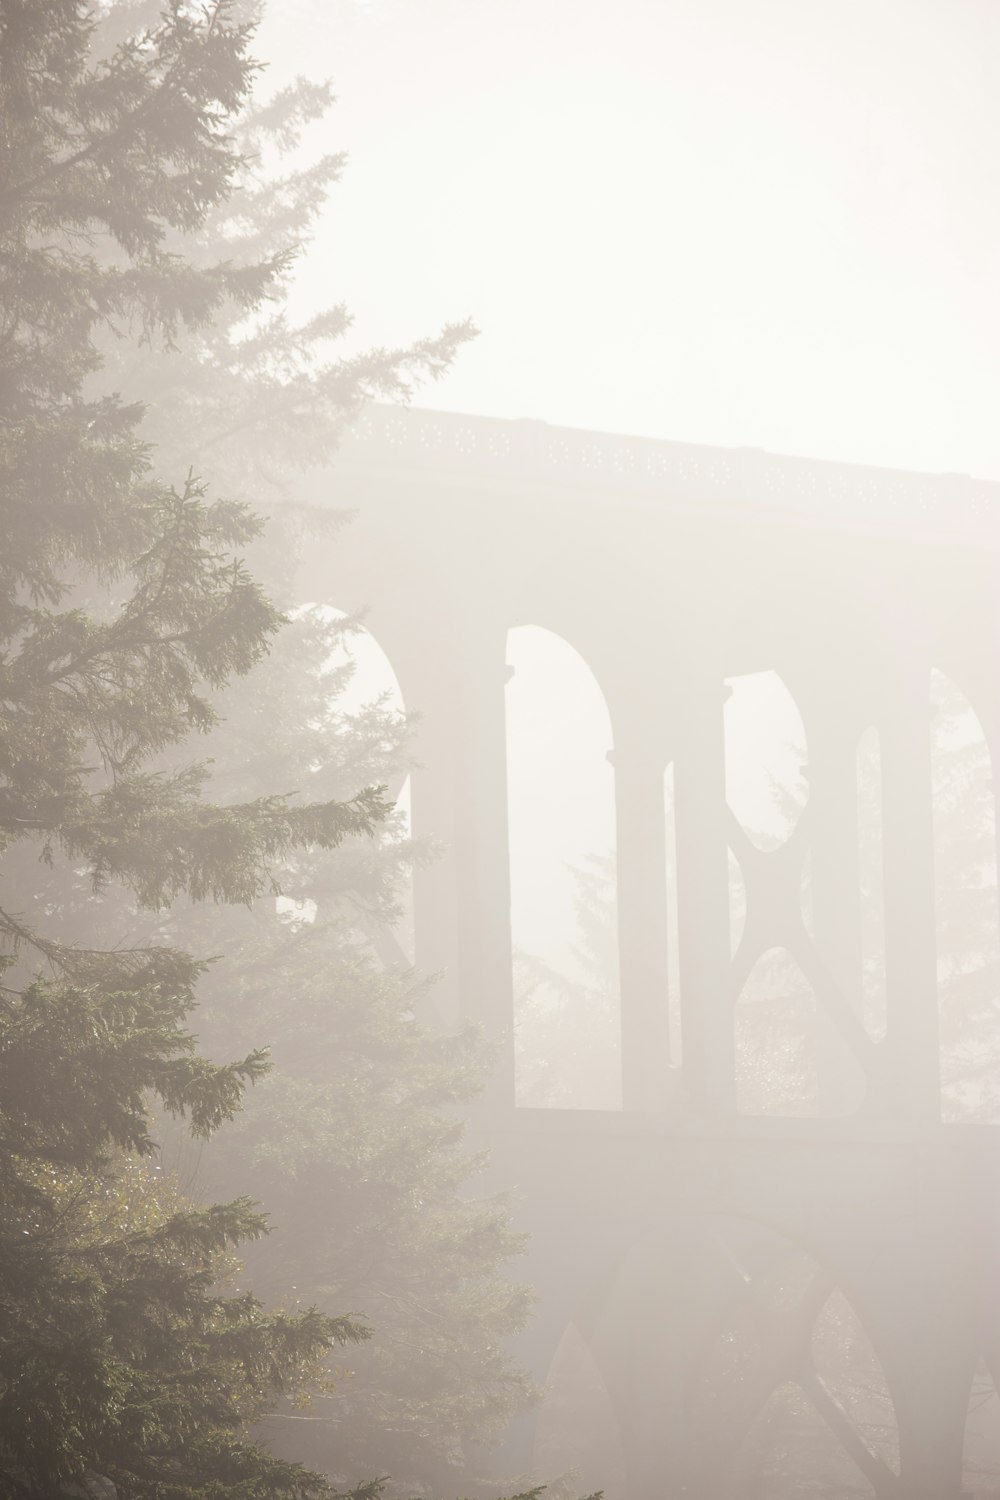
point(761, 222)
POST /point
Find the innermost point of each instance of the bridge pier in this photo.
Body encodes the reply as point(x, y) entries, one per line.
point(639, 762)
point(703, 900)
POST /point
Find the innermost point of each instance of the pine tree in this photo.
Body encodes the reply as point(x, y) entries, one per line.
point(122, 605)
point(354, 1143)
point(352, 1066)
point(127, 161)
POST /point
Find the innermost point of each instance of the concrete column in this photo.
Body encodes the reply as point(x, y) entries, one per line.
point(642, 921)
point(482, 854)
point(835, 877)
point(455, 682)
point(912, 1076)
point(430, 685)
point(927, 1292)
point(703, 900)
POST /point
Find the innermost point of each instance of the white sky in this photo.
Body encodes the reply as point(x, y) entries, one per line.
point(761, 222)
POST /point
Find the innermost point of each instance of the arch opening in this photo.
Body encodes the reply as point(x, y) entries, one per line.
point(358, 735)
point(775, 1027)
point(564, 905)
point(675, 1039)
point(792, 1399)
point(868, 770)
point(737, 903)
point(578, 1439)
point(966, 908)
point(765, 752)
point(981, 1447)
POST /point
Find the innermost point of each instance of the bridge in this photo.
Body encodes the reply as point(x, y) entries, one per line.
point(758, 1305)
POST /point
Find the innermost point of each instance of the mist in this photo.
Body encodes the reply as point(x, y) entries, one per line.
point(500, 921)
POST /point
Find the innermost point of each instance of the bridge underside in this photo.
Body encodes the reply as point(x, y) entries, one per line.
point(708, 1276)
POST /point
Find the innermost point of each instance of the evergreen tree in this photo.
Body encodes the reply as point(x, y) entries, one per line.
point(129, 598)
point(354, 1142)
point(354, 1138)
point(122, 605)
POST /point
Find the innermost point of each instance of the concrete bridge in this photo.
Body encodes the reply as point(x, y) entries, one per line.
point(697, 1252)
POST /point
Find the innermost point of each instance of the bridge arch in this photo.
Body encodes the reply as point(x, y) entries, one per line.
point(693, 1283)
point(806, 1353)
point(966, 905)
point(578, 1427)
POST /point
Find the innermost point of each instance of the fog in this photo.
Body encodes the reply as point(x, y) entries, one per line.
point(723, 888)
point(549, 863)
point(765, 224)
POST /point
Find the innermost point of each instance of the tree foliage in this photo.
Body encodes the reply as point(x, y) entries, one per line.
point(355, 1141)
point(123, 607)
point(131, 150)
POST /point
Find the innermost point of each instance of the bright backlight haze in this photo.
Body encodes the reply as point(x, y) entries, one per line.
point(769, 224)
